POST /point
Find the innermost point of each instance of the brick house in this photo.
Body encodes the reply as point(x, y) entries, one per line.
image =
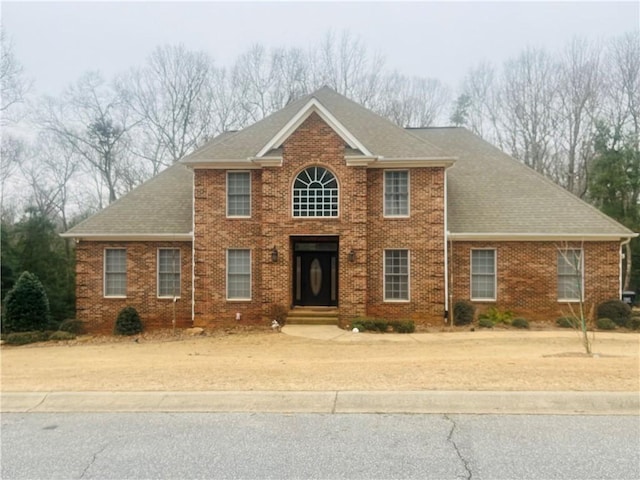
point(327, 209)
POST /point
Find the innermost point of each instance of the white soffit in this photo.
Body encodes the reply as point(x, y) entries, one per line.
point(312, 106)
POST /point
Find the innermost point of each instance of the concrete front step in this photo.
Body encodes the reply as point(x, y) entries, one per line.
point(308, 320)
point(313, 316)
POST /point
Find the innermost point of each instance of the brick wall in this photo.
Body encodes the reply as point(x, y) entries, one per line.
point(422, 234)
point(527, 276)
point(100, 312)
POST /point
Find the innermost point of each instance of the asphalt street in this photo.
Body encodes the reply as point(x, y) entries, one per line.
point(318, 446)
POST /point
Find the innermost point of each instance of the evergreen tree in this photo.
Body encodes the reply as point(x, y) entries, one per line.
point(26, 307)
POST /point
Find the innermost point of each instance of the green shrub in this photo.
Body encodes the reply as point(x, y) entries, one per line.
point(463, 312)
point(128, 322)
point(22, 338)
point(485, 322)
point(520, 323)
point(26, 306)
point(634, 323)
point(605, 324)
point(404, 326)
point(495, 316)
point(72, 326)
point(618, 311)
point(566, 322)
point(62, 335)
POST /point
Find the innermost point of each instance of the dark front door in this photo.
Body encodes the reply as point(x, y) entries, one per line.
point(315, 274)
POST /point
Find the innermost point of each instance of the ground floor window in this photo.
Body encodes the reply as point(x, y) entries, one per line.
point(238, 274)
point(483, 274)
point(115, 272)
point(396, 275)
point(570, 281)
point(169, 272)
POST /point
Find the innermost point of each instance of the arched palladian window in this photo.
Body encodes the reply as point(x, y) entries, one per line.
point(315, 193)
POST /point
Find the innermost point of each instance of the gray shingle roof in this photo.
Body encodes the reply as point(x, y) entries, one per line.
point(377, 134)
point(490, 192)
point(160, 206)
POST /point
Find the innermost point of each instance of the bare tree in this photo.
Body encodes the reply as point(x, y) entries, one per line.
point(528, 96)
point(413, 102)
point(92, 121)
point(579, 102)
point(344, 64)
point(13, 84)
point(169, 97)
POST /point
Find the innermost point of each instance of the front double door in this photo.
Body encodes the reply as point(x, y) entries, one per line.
point(315, 275)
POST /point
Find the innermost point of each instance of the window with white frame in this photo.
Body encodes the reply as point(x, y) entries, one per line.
point(483, 274)
point(169, 272)
point(396, 193)
point(315, 193)
point(570, 281)
point(396, 275)
point(238, 194)
point(238, 274)
point(115, 272)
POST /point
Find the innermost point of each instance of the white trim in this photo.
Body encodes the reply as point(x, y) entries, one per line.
point(104, 272)
point(313, 106)
point(292, 186)
point(384, 276)
point(542, 237)
point(226, 275)
point(131, 237)
point(495, 275)
point(224, 165)
point(359, 160)
point(227, 195)
point(384, 194)
point(267, 161)
point(444, 162)
point(620, 254)
point(158, 273)
point(193, 250)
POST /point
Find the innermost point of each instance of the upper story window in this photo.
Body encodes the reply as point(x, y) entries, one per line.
point(396, 193)
point(238, 194)
point(115, 272)
point(315, 193)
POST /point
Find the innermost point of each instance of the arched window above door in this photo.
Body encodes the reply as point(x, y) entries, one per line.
point(315, 193)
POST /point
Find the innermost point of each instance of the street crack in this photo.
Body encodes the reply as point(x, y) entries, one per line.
point(464, 461)
point(93, 460)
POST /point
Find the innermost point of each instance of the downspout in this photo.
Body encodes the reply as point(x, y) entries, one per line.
point(622, 244)
point(193, 248)
point(446, 254)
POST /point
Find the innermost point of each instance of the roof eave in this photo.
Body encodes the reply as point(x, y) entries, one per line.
point(400, 162)
point(542, 237)
point(129, 237)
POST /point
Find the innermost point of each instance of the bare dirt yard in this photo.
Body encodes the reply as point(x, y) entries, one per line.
point(265, 360)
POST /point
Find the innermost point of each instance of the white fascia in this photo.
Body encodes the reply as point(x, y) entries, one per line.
point(313, 106)
point(542, 237)
point(130, 237)
point(383, 162)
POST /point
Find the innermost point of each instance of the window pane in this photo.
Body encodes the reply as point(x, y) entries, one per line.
point(115, 275)
point(238, 274)
point(483, 274)
point(570, 274)
point(396, 277)
point(396, 193)
point(169, 272)
point(238, 194)
point(315, 193)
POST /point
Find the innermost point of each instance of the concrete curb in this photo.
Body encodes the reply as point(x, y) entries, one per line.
point(437, 402)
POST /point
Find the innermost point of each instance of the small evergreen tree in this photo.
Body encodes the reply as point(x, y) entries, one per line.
point(26, 306)
point(128, 322)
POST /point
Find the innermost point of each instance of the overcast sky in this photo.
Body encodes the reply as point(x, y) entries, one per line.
point(56, 42)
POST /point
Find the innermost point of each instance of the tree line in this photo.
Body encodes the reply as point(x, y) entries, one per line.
point(572, 115)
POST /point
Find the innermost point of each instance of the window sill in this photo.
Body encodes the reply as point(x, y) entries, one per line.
point(396, 217)
point(238, 217)
point(489, 300)
point(168, 298)
point(396, 301)
point(238, 300)
point(115, 297)
point(569, 300)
